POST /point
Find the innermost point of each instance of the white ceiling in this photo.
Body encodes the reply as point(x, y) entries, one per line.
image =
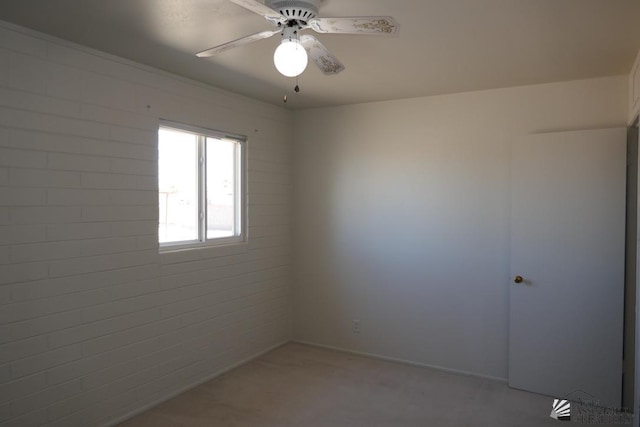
point(444, 46)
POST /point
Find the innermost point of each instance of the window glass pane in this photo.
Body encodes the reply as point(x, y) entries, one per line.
point(221, 188)
point(178, 186)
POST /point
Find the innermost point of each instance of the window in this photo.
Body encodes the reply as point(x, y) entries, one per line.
point(200, 180)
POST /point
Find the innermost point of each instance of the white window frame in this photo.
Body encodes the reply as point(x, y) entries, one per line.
point(240, 203)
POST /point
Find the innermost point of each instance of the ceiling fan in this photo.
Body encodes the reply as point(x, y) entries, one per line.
point(291, 17)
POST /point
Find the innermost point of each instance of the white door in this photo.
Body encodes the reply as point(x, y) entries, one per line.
point(567, 243)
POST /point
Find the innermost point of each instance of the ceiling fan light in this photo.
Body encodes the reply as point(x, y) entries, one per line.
point(290, 58)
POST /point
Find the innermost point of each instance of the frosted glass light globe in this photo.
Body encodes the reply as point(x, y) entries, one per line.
point(290, 58)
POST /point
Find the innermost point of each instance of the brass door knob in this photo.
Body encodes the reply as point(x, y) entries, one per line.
point(518, 279)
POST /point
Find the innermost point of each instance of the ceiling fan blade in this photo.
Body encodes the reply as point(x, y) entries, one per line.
point(383, 25)
point(324, 59)
point(256, 7)
point(235, 43)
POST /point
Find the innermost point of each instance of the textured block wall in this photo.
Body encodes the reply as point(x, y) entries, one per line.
point(94, 322)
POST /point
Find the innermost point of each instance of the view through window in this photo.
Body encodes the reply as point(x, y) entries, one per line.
point(200, 188)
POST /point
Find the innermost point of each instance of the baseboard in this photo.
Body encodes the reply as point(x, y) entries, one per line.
point(192, 385)
point(404, 362)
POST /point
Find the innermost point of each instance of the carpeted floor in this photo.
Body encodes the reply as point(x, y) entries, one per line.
point(302, 386)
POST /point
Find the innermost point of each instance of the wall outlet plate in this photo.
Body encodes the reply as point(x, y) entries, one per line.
point(356, 326)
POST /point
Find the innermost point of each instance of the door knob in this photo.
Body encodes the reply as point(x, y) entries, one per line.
point(518, 279)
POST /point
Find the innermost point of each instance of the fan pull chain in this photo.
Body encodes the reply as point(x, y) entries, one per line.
point(296, 89)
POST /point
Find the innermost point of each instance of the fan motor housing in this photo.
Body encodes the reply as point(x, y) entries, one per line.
point(299, 10)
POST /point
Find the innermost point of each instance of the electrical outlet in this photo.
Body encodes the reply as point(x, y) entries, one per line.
point(356, 327)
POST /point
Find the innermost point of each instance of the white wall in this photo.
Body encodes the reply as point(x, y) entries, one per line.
point(94, 323)
point(401, 218)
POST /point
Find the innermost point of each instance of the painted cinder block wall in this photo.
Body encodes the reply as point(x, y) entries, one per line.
point(94, 322)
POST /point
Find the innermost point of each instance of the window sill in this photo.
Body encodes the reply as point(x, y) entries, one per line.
point(201, 251)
